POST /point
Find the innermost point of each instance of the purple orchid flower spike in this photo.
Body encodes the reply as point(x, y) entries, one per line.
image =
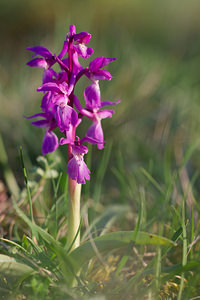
point(62, 109)
point(60, 106)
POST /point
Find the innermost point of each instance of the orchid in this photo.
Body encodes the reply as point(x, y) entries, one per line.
point(60, 106)
point(62, 110)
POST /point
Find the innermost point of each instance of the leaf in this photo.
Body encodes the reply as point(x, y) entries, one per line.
point(115, 240)
point(71, 263)
point(66, 263)
point(130, 245)
point(11, 269)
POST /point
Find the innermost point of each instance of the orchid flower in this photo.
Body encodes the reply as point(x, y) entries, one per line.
point(60, 106)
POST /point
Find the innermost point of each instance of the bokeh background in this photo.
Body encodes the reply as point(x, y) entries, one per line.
point(156, 75)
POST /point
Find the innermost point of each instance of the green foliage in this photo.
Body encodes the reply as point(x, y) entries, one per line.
point(41, 265)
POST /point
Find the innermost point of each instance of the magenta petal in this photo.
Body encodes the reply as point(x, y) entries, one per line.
point(101, 75)
point(39, 50)
point(46, 101)
point(96, 132)
point(48, 75)
point(92, 96)
point(79, 149)
point(104, 103)
point(49, 86)
point(83, 173)
point(82, 37)
point(103, 114)
point(89, 140)
point(38, 62)
point(74, 118)
point(50, 142)
point(36, 115)
point(41, 123)
point(72, 168)
point(99, 62)
point(64, 116)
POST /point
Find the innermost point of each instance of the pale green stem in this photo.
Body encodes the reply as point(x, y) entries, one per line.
point(73, 236)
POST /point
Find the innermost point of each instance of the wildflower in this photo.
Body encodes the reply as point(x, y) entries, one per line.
point(61, 107)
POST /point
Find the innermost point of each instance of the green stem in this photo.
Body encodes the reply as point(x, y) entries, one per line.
point(184, 258)
point(73, 237)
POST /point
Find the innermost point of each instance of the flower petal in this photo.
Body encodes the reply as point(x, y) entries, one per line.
point(38, 62)
point(48, 75)
point(46, 102)
point(36, 115)
point(41, 123)
point(39, 50)
point(101, 75)
point(92, 96)
point(49, 86)
point(79, 149)
point(64, 116)
point(83, 173)
point(82, 37)
point(72, 168)
point(96, 132)
point(99, 62)
point(103, 114)
point(50, 142)
point(104, 103)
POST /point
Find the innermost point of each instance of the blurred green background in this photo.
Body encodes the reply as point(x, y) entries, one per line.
point(156, 75)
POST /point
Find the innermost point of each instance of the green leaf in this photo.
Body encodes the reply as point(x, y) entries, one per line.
point(12, 270)
point(115, 240)
point(71, 263)
point(66, 263)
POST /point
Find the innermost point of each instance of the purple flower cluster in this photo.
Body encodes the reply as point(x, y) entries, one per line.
point(60, 106)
